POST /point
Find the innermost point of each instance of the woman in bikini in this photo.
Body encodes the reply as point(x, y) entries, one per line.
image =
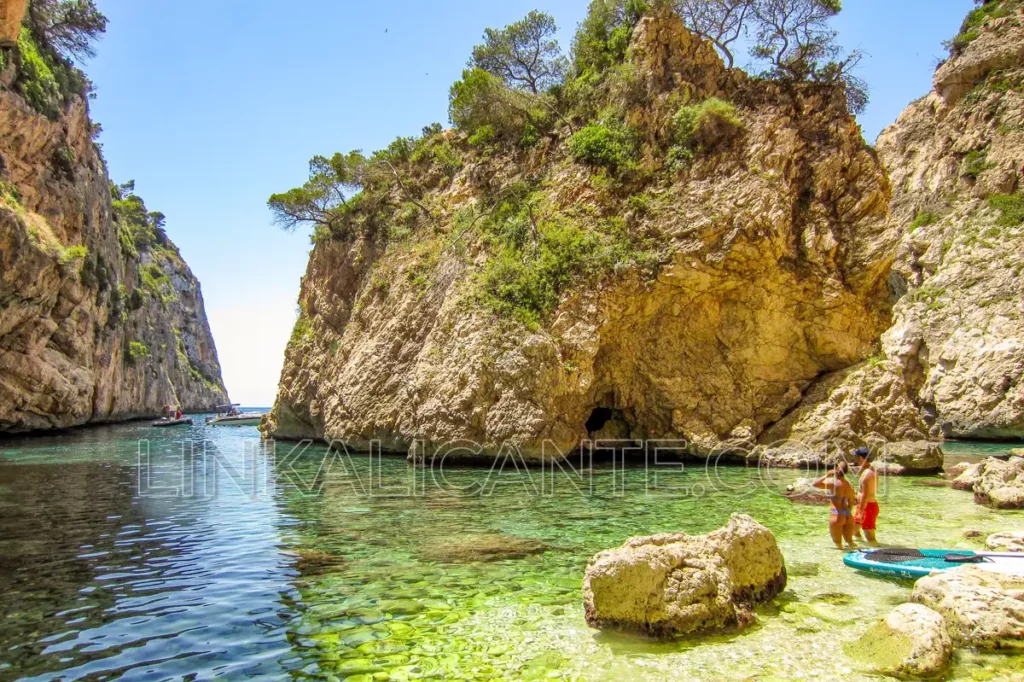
point(842, 498)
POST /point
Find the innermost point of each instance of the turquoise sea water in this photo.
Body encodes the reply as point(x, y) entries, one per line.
point(203, 553)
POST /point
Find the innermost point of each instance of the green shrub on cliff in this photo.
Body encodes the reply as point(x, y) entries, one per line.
point(479, 99)
point(137, 227)
point(72, 253)
point(537, 254)
point(607, 145)
point(701, 128)
point(978, 17)
point(975, 163)
point(36, 79)
point(923, 219)
point(137, 350)
point(1012, 208)
point(603, 36)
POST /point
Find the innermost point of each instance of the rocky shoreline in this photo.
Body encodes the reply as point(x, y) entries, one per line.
point(673, 585)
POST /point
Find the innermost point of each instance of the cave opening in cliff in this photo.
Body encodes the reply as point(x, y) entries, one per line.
point(598, 418)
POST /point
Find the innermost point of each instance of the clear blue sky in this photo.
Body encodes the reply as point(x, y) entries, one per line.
point(212, 105)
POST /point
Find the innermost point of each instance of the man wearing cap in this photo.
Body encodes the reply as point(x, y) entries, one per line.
point(866, 514)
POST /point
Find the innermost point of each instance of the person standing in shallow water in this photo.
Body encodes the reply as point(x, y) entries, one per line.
point(842, 498)
point(866, 517)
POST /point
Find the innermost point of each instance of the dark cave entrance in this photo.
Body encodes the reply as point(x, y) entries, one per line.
point(598, 418)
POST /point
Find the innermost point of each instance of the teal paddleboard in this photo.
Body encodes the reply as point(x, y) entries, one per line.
point(914, 564)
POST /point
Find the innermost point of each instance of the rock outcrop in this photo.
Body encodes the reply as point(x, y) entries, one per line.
point(11, 14)
point(953, 360)
point(982, 609)
point(92, 327)
point(995, 483)
point(676, 584)
point(910, 458)
point(910, 641)
point(772, 253)
point(1006, 541)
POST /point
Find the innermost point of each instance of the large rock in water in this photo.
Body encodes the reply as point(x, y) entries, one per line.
point(910, 641)
point(982, 609)
point(676, 584)
point(911, 458)
point(995, 483)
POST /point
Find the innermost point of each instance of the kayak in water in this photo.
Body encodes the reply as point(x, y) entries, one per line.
point(900, 562)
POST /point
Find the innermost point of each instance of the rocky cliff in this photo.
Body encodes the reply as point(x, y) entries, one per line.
point(698, 300)
point(952, 363)
point(100, 319)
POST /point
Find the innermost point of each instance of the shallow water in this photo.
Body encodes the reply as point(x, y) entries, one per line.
point(160, 564)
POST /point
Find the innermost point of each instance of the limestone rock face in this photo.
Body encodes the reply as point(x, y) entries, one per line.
point(81, 339)
point(11, 14)
point(910, 641)
point(959, 332)
point(1007, 541)
point(676, 584)
point(955, 351)
point(982, 609)
point(773, 262)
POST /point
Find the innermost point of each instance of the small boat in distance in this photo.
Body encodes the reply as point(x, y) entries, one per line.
point(228, 415)
point(173, 422)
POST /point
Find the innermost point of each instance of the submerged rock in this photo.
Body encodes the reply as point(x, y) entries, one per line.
point(957, 469)
point(675, 584)
point(982, 609)
point(313, 562)
point(910, 641)
point(491, 547)
point(1007, 541)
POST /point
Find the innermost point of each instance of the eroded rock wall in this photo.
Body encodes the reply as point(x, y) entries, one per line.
point(11, 14)
point(774, 262)
point(955, 352)
point(81, 339)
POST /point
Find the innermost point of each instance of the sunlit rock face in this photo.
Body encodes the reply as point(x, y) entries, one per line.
point(82, 339)
point(11, 14)
point(955, 351)
point(774, 255)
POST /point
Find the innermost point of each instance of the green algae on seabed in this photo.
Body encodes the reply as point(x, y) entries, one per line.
point(523, 619)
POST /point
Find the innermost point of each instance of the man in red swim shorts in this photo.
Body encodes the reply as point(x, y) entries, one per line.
point(866, 514)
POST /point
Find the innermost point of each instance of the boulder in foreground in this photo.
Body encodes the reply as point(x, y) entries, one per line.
point(910, 641)
point(675, 584)
point(982, 609)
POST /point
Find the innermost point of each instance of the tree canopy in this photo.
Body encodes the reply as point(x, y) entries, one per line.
point(723, 22)
point(524, 55)
point(332, 184)
point(68, 27)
